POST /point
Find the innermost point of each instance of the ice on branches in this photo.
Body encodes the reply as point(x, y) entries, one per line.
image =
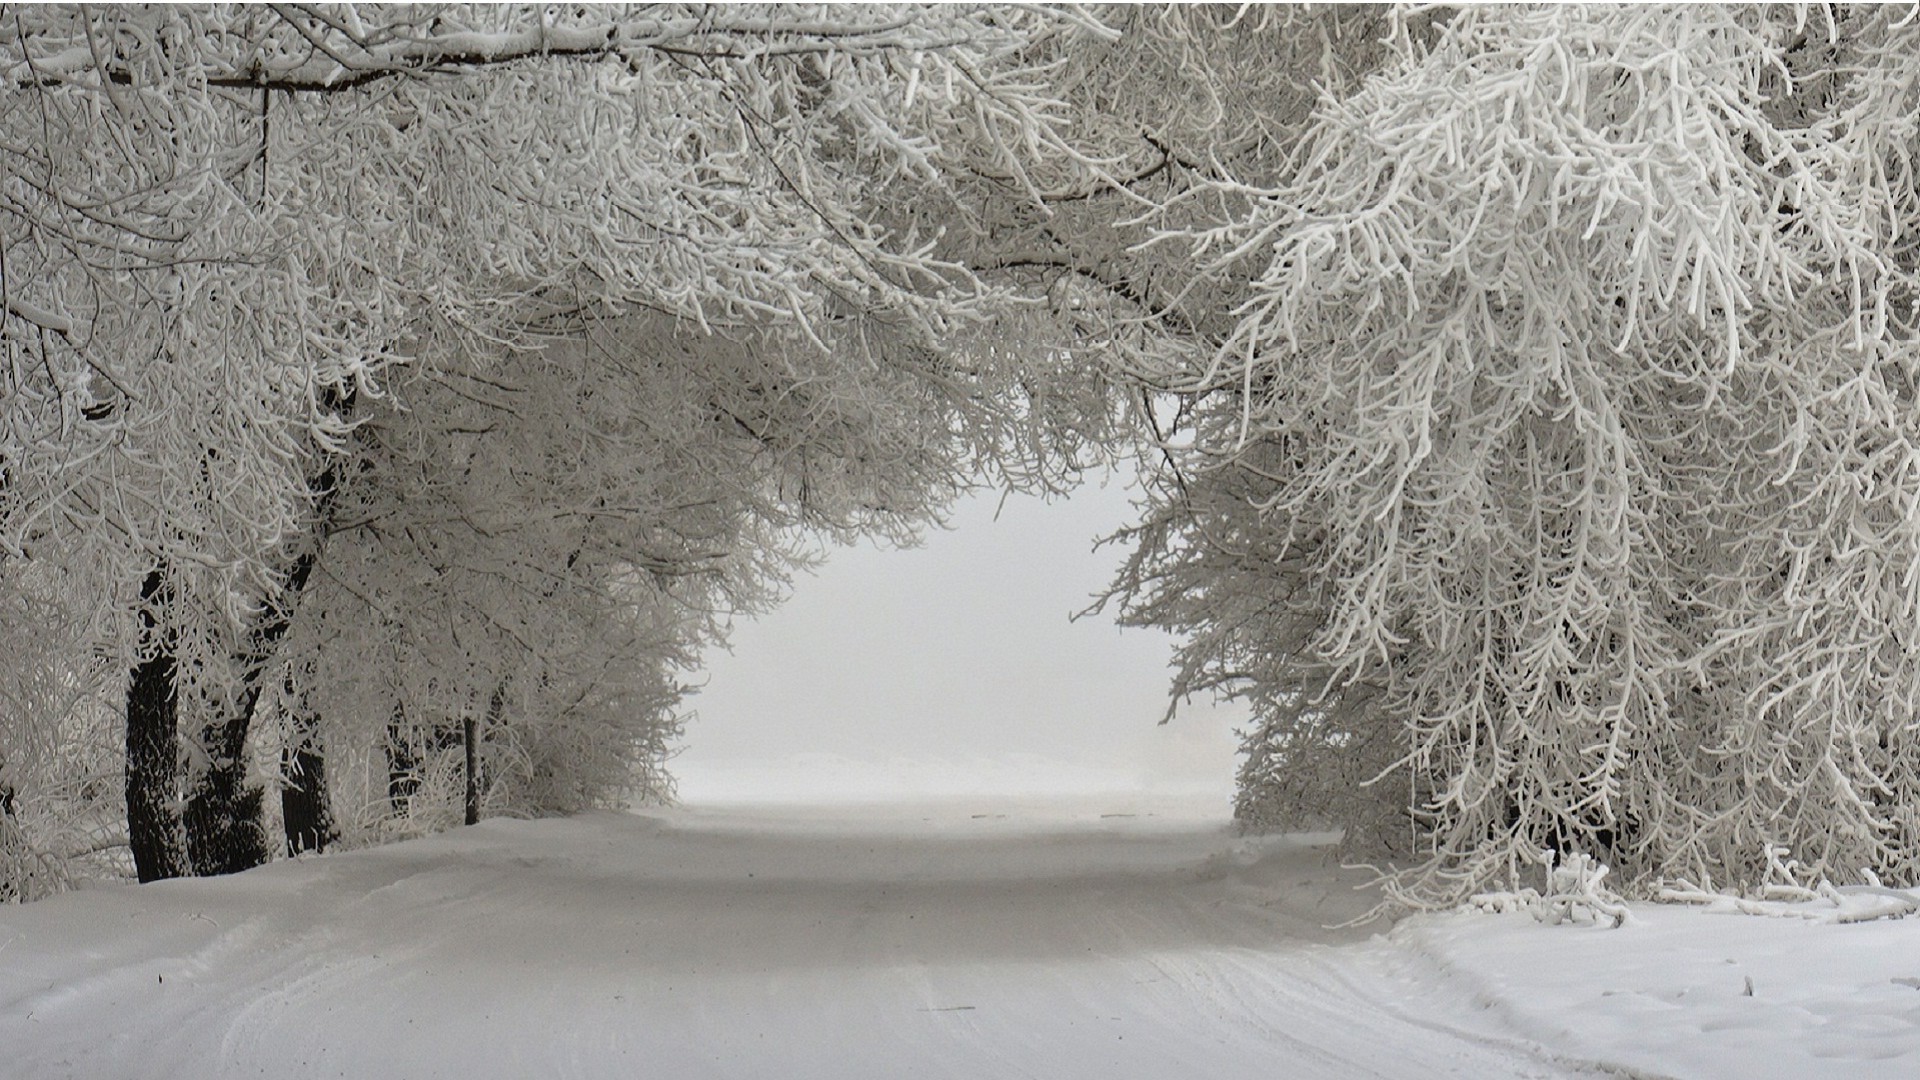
point(375, 372)
point(1790, 891)
point(1555, 484)
point(1576, 892)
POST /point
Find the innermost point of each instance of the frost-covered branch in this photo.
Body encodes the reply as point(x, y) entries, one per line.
point(1564, 430)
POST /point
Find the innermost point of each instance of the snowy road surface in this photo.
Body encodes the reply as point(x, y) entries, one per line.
point(744, 944)
point(985, 943)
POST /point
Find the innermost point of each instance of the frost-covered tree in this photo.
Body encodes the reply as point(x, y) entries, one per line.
point(1192, 105)
point(237, 238)
point(1556, 479)
point(61, 806)
point(1528, 391)
point(539, 545)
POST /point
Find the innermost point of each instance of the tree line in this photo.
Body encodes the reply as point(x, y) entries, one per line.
point(399, 399)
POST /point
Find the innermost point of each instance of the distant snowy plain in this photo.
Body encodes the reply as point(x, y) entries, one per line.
point(1098, 935)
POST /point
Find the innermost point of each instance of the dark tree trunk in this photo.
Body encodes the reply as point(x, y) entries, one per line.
point(225, 834)
point(403, 766)
point(225, 830)
point(496, 705)
point(11, 887)
point(473, 772)
point(153, 753)
point(303, 793)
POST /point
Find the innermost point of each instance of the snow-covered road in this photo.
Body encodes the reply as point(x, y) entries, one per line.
point(747, 943)
point(986, 941)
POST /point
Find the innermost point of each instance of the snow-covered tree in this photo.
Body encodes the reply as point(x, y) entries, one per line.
point(61, 806)
point(1556, 479)
point(542, 543)
point(228, 230)
point(1529, 394)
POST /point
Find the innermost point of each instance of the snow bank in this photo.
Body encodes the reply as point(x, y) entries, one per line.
point(1683, 991)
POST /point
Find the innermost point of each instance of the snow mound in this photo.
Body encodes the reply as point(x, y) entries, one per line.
point(1688, 992)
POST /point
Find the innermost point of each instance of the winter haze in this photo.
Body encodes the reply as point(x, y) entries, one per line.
point(954, 669)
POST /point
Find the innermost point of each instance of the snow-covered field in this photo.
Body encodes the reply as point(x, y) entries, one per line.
point(983, 939)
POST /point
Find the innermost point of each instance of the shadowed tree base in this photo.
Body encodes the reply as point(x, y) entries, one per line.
point(304, 812)
point(224, 833)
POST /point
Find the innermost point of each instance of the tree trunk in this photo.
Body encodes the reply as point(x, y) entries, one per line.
point(403, 766)
point(153, 753)
point(14, 877)
point(304, 810)
point(473, 772)
point(225, 830)
point(225, 834)
point(496, 704)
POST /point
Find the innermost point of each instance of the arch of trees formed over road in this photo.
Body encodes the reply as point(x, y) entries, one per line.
point(395, 401)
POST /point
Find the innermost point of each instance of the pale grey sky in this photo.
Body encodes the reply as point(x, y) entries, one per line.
point(955, 665)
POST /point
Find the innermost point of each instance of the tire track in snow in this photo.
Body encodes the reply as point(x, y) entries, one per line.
point(1433, 975)
point(614, 946)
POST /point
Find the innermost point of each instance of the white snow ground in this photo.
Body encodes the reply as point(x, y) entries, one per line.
point(984, 939)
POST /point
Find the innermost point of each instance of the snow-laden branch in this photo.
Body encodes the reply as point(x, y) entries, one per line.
point(624, 298)
point(1573, 352)
point(313, 48)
